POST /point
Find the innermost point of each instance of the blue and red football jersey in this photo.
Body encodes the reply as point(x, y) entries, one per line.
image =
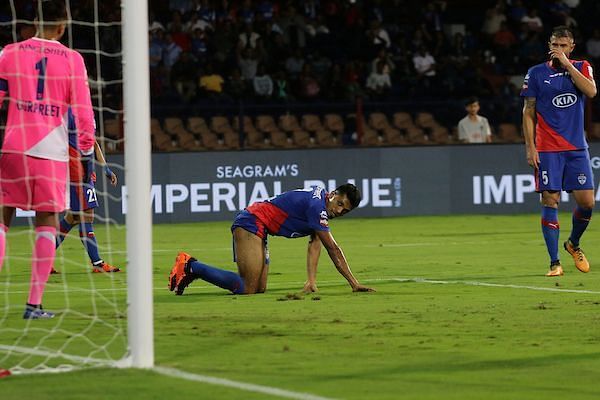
point(295, 213)
point(559, 106)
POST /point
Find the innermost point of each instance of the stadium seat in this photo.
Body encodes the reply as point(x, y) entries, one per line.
point(402, 121)
point(161, 140)
point(322, 137)
point(416, 136)
point(370, 137)
point(187, 141)
point(254, 139)
point(231, 137)
point(440, 135)
point(198, 127)
point(509, 133)
point(113, 135)
point(267, 125)
point(289, 123)
point(335, 124)
point(594, 133)
point(391, 135)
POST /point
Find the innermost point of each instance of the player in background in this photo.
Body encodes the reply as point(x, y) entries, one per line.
point(555, 142)
point(42, 78)
point(83, 198)
point(297, 213)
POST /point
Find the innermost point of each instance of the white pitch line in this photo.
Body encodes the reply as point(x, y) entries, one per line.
point(250, 387)
point(172, 372)
point(159, 288)
point(499, 285)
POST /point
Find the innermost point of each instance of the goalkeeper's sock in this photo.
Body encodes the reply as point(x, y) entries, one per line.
point(551, 231)
point(218, 277)
point(3, 230)
point(42, 261)
point(581, 219)
point(65, 228)
point(88, 238)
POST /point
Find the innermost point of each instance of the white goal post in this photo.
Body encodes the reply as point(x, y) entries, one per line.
point(136, 110)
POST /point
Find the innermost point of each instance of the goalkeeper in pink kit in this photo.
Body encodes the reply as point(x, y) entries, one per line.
point(41, 78)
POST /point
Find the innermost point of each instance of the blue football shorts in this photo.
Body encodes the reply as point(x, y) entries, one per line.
point(82, 189)
point(252, 224)
point(564, 170)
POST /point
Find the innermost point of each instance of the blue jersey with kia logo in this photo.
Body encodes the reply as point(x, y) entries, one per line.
point(559, 106)
point(295, 213)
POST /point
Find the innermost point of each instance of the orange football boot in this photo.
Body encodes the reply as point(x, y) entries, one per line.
point(555, 270)
point(104, 267)
point(178, 275)
point(581, 263)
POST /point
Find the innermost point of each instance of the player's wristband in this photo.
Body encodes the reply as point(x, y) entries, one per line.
point(107, 171)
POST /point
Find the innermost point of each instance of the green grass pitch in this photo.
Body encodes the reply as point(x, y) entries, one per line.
point(431, 331)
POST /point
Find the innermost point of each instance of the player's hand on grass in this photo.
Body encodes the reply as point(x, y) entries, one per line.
point(361, 288)
point(310, 287)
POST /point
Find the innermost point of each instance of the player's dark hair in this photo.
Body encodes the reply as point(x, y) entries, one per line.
point(471, 100)
point(351, 192)
point(51, 11)
point(562, 31)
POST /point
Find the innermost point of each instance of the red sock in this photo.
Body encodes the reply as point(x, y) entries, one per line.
point(42, 262)
point(3, 230)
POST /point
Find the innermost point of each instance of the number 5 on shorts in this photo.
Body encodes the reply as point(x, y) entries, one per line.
point(545, 177)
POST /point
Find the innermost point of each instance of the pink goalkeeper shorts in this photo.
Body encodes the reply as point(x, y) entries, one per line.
point(32, 183)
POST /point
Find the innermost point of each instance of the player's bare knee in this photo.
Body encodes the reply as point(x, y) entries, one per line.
point(550, 199)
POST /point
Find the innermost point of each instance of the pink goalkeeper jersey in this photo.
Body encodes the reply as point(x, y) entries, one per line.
point(43, 78)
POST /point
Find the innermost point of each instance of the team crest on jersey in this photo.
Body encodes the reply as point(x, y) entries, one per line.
point(582, 179)
point(317, 193)
point(324, 219)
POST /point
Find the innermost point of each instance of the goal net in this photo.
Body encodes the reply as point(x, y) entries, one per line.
point(90, 326)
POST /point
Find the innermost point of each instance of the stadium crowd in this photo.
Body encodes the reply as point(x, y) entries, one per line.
point(261, 52)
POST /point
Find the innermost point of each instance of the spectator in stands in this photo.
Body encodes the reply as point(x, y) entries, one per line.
point(157, 44)
point(171, 52)
point(308, 86)
point(379, 83)
point(378, 35)
point(199, 45)
point(294, 64)
point(184, 77)
point(493, 18)
point(293, 26)
point(248, 37)
point(211, 82)
point(474, 128)
point(266, 10)
point(224, 41)
point(592, 47)
point(532, 50)
point(516, 11)
point(533, 21)
point(262, 84)
point(281, 87)
point(236, 87)
point(181, 6)
point(382, 56)
point(424, 65)
point(321, 65)
point(248, 63)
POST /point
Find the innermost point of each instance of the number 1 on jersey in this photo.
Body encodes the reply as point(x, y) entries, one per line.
point(41, 67)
